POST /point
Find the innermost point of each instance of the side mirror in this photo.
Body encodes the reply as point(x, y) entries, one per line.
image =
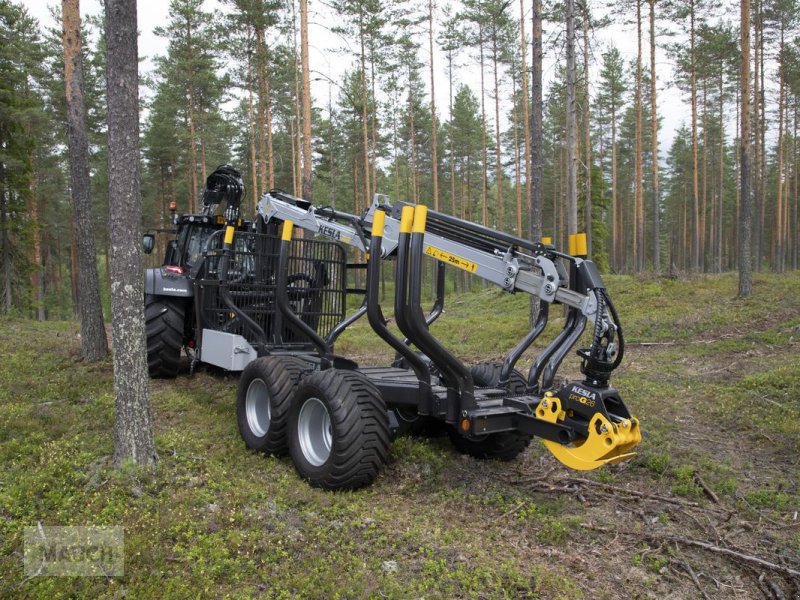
point(148, 243)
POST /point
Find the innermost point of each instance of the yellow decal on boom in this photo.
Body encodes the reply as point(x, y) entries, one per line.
point(451, 259)
point(229, 235)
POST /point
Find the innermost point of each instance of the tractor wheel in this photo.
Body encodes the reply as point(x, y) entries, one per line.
point(338, 430)
point(164, 323)
point(263, 400)
point(505, 445)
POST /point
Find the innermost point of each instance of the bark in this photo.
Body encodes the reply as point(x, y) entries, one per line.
point(572, 154)
point(252, 130)
point(133, 431)
point(94, 345)
point(762, 134)
point(587, 209)
point(526, 125)
point(794, 235)
point(745, 264)
point(778, 237)
point(37, 274)
point(536, 148)
point(615, 233)
point(484, 160)
point(704, 176)
point(306, 75)
point(517, 161)
point(364, 120)
point(656, 206)
point(434, 143)
point(695, 243)
point(721, 186)
point(262, 108)
point(297, 164)
point(5, 243)
point(192, 152)
point(498, 153)
point(756, 151)
point(450, 144)
point(638, 208)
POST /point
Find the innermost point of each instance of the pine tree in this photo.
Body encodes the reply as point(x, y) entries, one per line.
point(133, 431)
point(94, 345)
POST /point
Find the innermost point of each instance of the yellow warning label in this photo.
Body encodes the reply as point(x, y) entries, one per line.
point(451, 259)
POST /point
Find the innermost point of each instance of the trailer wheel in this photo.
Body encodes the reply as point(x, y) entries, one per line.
point(338, 430)
point(164, 325)
point(505, 445)
point(263, 399)
point(487, 375)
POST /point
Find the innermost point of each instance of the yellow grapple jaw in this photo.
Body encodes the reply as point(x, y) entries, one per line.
point(607, 442)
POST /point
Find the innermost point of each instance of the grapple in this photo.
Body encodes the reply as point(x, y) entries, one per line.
point(607, 438)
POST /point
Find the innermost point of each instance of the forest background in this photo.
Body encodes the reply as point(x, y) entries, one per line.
point(648, 165)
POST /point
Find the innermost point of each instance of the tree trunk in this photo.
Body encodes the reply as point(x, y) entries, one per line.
point(252, 133)
point(193, 190)
point(756, 146)
point(572, 151)
point(762, 133)
point(364, 120)
point(297, 166)
point(450, 144)
point(133, 431)
point(704, 175)
point(498, 150)
point(745, 264)
point(263, 107)
point(484, 160)
point(37, 273)
point(615, 233)
point(654, 142)
point(778, 235)
point(307, 181)
point(695, 243)
point(526, 125)
point(721, 187)
point(536, 148)
point(795, 233)
point(5, 243)
point(94, 345)
point(434, 143)
point(517, 159)
point(638, 204)
point(587, 209)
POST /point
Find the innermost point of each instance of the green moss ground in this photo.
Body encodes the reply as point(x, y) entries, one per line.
point(712, 378)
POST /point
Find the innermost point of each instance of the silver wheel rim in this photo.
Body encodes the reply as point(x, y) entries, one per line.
point(314, 431)
point(257, 408)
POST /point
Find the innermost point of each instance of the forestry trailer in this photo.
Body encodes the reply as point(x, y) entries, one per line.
point(274, 304)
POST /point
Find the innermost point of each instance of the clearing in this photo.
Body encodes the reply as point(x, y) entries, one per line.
point(709, 507)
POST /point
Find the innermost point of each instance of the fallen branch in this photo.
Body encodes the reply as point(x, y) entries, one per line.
point(636, 493)
point(709, 492)
point(753, 560)
point(688, 568)
point(774, 591)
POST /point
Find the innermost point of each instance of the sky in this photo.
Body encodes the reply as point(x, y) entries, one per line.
point(325, 60)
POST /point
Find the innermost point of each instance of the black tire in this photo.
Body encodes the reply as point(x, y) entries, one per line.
point(505, 445)
point(265, 392)
point(338, 430)
point(164, 324)
point(487, 375)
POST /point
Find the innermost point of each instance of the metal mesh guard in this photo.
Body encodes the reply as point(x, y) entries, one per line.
point(316, 287)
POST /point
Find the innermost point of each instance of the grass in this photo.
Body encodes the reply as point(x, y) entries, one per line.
point(714, 390)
